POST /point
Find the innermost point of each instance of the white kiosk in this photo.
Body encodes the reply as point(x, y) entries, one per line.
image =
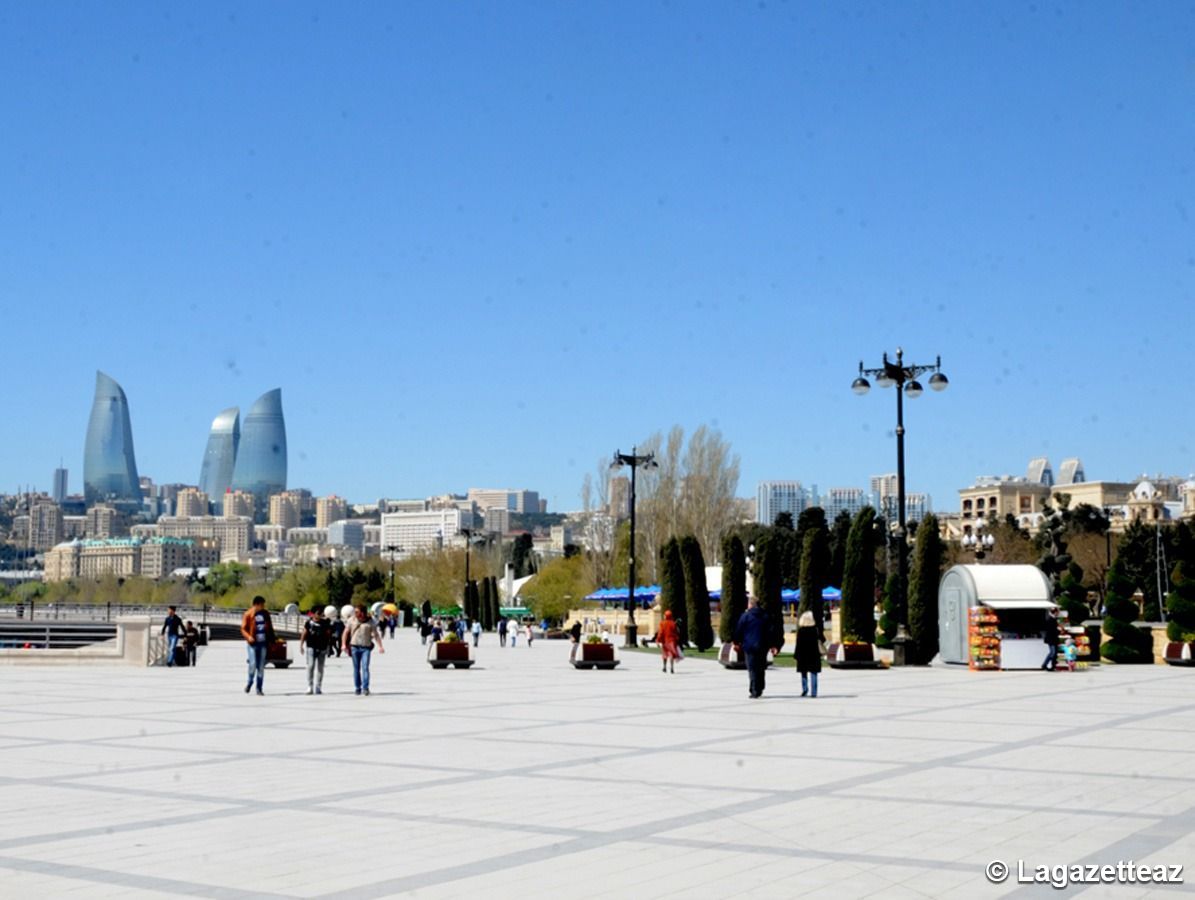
point(1015, 600)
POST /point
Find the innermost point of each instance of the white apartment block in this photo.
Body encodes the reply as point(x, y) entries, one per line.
point(497, 520)
point(519, 501)
point(840, 499)
point(775, 497)
point(426, 530)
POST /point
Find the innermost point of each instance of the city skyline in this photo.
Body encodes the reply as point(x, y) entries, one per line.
point(453, 234)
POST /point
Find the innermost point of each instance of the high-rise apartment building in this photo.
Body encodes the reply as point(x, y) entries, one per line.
point(497, 520)
point(286, 509)
point(104, 522)
point(45, 526)
point(330, 509)
point(347, 533)
point(415, 531)
point(191, 502)
point(238, 503)
point(775, 497)
point(235, 535)
point(843, 499)
point(109, 463)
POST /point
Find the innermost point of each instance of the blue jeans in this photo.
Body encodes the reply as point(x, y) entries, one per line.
point(361, 667)
point(171, 646)
point(315, 668)
point(257, 663)
point(805, 680)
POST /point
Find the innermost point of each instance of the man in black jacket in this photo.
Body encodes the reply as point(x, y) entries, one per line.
point(751, 635)
point(1051, 638)
point(173, 629)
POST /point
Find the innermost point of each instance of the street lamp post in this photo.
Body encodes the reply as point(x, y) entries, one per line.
point(979, 541)
point(635, 461)
point(904, 378)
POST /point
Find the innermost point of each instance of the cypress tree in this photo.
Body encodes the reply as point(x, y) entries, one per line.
point(815, 562)
point(1125, 643)
point(768, 586)
point(496, 600)
point(465, 599)
point(857, 612)
point(840, 535)
point(734, 586)
point(487, 606)
point(1180, 604)
point(697, 595)
point(924, 575)
point(672, 586)
point(1073, 595)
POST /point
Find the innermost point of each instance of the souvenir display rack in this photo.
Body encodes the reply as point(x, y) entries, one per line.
point(983, 628)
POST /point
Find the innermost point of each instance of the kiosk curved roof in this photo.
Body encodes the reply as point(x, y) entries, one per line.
point(1006, 582)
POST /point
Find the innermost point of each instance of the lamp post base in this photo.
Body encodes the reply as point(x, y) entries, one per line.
point(632, 635)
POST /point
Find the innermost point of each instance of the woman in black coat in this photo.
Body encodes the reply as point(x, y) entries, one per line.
point(808, 653)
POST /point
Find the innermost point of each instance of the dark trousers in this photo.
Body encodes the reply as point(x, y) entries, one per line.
point(1051, 657)
point(757, 665)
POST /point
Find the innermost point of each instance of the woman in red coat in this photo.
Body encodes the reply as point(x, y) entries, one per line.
point(668, 637)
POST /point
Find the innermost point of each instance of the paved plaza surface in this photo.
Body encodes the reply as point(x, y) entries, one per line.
point(523, 777)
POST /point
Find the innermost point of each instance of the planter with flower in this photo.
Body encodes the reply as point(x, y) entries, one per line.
point(451, 651)
point(595, 653)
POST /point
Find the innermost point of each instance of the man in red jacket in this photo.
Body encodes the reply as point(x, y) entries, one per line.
point(258, 632)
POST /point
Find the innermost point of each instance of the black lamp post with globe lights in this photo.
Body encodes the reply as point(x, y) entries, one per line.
point(903, 377)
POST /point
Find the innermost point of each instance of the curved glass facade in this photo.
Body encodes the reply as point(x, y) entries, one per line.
point(261, 457)
point(219, 459)
point(109, 465)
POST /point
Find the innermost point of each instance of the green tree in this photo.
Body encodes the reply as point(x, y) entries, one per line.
point(1180, 604)
point(672, 587)
point(924, 576)
point(815, 563)
point(487, 605)
point(1072, 595)
point(555, 588)
point(496, 599)
point(223, 578)
point(766, 564)
point(734, 586)
point(1125, 644)
point(697, 596)
point(521, 556)
point(840, 533)
point(858, 580)
point(784, 519)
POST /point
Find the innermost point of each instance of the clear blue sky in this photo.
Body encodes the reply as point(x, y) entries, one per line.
point(487, 244)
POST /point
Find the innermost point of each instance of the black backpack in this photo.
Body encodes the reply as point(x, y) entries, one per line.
point(317, 633)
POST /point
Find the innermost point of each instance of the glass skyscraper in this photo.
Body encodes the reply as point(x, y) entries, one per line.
point(219, 459)
point(109, 466)
point(261, 457)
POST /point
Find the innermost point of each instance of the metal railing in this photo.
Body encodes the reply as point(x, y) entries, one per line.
point(78, 613)
point(53, 635)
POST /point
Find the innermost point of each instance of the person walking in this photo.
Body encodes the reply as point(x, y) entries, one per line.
point(529, 635)
point(337, 635)
point(574, 636)
point(751, 635)
point(1050, 636)
point(502, 631)
point(316, 637)
point(808, 653)
point(191, 643)
point(668, 639)
point(513, 632)
point(172, 627)
point(258, 631)
point(360, 635)
point(476, 631)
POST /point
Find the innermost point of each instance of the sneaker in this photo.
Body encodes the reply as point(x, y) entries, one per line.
point(248, 687)
point(319, 690)
point(358, 692)
point(260, 692)
point(310, 691)
point(367, 692)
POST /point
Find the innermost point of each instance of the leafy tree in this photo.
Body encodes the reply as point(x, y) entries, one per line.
point(1125, 644)
point(1051, 539)
point(225, 577)
point(924, 575)
point(858, 579)
point(555, 588)
point(701, 632)
point(1180, 604)
point(768, 587)
point(734, 586)
point(672, 586)
point(815, 563)
point(839, 537)
point(339, 586)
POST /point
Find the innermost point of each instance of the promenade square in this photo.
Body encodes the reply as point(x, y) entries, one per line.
point(523, 777)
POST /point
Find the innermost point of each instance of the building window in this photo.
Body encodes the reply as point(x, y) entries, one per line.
point(966, 506)
point(979, 503)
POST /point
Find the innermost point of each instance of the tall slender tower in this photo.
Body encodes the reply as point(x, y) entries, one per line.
point(109, 464)
point(219, 459)
point(261, 456)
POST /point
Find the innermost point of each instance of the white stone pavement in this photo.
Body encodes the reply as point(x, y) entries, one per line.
point(523, 777)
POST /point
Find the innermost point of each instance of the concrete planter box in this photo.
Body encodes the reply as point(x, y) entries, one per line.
point(443, 654)
point(595, 656)
point(852, 656)
point(1179, 653)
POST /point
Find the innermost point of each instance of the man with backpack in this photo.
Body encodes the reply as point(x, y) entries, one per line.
point(316, 637)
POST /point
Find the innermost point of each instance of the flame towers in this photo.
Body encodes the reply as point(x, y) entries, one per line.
point(261, 456)
point(109, 465)
point(219, 459)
